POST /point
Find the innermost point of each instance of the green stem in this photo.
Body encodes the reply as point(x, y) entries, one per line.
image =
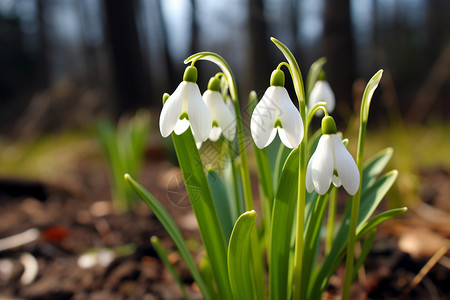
point(300, 92)
point(256, 263)
point(354, 217)
point(218, 60)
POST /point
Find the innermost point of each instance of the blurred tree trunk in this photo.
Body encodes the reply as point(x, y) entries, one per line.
point(339, 49)
point(294, 4)
point(130, 75)
point(43, 62)
point(171, 71)
point(92, 65)
point(194, 29)
point(258, 58)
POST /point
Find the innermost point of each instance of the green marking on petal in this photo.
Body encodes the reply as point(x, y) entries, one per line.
point(278, 124)
point(215, 124)
point(184, 116)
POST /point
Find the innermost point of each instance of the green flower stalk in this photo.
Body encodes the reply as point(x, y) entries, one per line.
point(300, 92)
point(364, 116)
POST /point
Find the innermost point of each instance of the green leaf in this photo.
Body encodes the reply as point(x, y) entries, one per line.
point(367, 245)
point(283, 153)
point(373, 196)
point(163, 256)
point(222, 203)
point(203, 206)
point(368, 93)
point(169, 225)
point(281, 229)
point(314, 71)
point(311, 244)
point(374, 166)
point(370, 200)
point(239, 258)
point(378, 219)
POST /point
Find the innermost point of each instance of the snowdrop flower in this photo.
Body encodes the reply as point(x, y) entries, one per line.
point(184, 108)
point(276, 113)
point(322, 92)
point(223, 120)
point(331, 163)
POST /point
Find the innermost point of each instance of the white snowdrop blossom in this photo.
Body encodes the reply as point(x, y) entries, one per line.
point(331, 162)
point(184, 108)
point(276, 113)
point(322, 92)
point(223, 120)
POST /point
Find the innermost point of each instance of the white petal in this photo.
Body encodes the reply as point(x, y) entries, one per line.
point(221, 114)
point(345, 166)
point(229, 103)
point(322, 92)
point(198, 143)
point(215, 133)
point(309, 182)
point(199, 116)
point(172, 109)
point(181, 126)
point(290, 119)
point(322, 165)
point(273, 133)
point(284, 139)
point(263, 120)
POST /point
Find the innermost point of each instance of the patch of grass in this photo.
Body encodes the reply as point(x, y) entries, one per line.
point(416, 147)
point(49, 158)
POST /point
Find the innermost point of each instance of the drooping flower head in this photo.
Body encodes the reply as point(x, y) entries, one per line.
point(322, 92)
point(331, 162)
point(276, 113)
point(184, 108)
point(223, 119)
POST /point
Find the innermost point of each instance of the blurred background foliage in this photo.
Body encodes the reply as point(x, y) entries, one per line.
point(64, 64)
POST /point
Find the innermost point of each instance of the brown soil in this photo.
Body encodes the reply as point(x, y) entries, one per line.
point(72, 221)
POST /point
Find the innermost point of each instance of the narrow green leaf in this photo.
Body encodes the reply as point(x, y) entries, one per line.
point(370, 200)
point(208, 276)
point(204, 208)
point(314, 71)
point(312, 232)
point(239, 258)
point(281, 229)
point(163, 256)
point(367, 245)
point(378, 219)
point(373, 196)
point(283, 153)
point(368, 93)
point(374, 166)
point(222, 203)
point(167, 222)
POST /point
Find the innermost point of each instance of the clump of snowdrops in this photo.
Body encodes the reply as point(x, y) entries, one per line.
point(293, 241)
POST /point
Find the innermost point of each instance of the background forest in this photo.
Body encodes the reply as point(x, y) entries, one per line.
point(85, 58)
